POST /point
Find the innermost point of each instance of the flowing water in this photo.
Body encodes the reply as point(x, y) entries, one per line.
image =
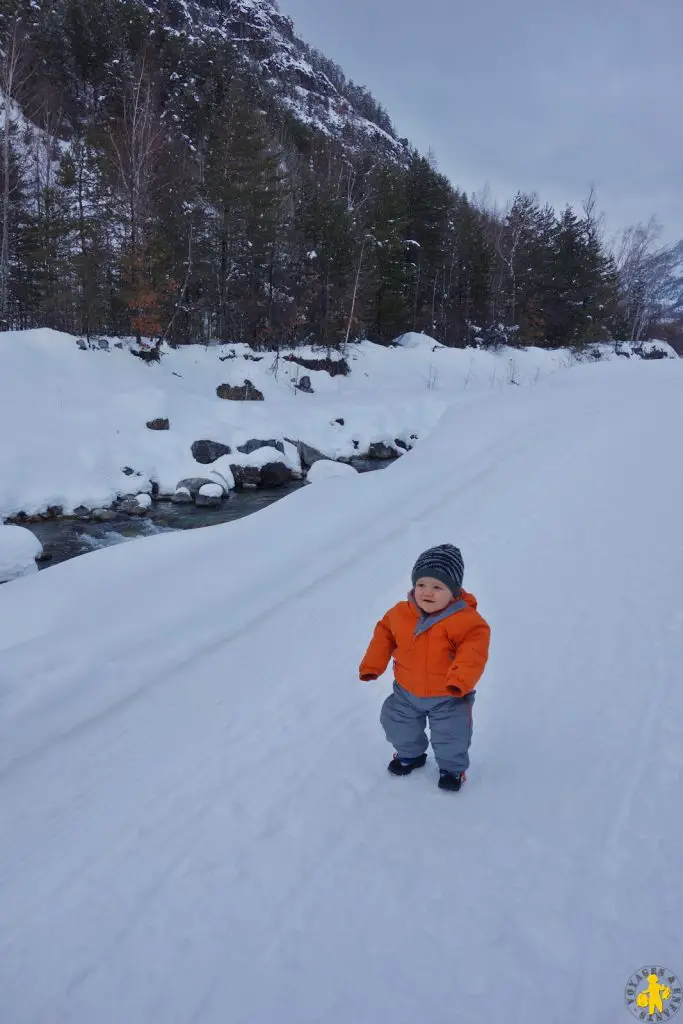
point(67, 538)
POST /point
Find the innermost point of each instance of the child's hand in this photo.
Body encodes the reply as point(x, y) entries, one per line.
point(367, 677)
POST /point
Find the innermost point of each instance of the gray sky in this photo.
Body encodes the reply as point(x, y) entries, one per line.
point(542, 95)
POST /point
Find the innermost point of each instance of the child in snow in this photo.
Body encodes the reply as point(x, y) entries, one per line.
point(440, 646)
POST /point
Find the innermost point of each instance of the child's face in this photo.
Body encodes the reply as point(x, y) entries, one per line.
point(432, 595)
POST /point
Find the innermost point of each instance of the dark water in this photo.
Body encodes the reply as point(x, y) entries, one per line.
point(66, 538)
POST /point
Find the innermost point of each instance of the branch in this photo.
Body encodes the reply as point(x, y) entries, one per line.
point(183, 290)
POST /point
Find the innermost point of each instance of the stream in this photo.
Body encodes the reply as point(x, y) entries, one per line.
point(63, 539)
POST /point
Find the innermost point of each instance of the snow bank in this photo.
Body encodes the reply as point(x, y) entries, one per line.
point(19, 549)
point(77, 419)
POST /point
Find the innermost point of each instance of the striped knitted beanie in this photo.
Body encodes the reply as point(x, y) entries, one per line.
point(443, 563)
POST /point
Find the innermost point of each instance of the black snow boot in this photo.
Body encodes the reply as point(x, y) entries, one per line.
point(451, 780)
point(406, 766)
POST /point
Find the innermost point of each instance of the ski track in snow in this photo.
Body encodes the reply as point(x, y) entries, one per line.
point(217, 839)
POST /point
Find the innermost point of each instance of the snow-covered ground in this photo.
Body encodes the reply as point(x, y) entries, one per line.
point(72, 421)
point(196, 822)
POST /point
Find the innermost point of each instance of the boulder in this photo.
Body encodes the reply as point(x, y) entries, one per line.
point(206, 452)
point(103, 515)
point(380, 450)
point(254, 444)
point(293, 461)
point(182, 496)
point(158, 424)
point(132, 504)
point(305, 385)
point(246, 477)
point(209, 496)
point(275, 474)
point(307, 454)
point(334, 367)
point(239, 392)
point(193, 484)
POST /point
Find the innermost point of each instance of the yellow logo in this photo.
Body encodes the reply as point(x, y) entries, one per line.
point(653, 994)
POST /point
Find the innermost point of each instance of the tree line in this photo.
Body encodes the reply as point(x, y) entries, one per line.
point(153, 185)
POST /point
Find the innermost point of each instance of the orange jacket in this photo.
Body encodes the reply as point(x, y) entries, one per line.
point(444, 658)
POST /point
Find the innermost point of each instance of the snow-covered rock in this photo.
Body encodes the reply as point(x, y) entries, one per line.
point(19, 549)
point(182, 496)
point(206, 452)
point(656, 350)
point(640, 350)
point(307, 455)
point(253, 445)
point(131, 505)
point(193, 485)
point(416, 340)
point(325, 470)
point(380, 450)
point(104, 515)
point(209, 495)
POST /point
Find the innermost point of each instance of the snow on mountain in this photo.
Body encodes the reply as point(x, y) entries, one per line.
point(309, 84)
point(196, 821)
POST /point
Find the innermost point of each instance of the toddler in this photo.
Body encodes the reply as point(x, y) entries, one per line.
point(440, 646)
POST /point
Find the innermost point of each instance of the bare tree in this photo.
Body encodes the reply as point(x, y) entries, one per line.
point(645, 271)
point(136, 146)
point(366, 238)
point(508, 243)
point(137, 142)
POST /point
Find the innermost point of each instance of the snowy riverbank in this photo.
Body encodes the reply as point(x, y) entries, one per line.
point(97, 432)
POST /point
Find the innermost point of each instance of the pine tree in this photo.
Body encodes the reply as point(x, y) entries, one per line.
point(389, 307)
point(430, 213)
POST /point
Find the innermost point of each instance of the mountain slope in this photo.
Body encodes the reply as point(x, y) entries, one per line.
point(194, 171)
point(261, 39)
point(197, 824)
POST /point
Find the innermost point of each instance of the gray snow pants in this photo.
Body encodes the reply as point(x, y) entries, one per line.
point(403, 719)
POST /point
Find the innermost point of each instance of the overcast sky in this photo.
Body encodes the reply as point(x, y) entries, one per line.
point(541, 95)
